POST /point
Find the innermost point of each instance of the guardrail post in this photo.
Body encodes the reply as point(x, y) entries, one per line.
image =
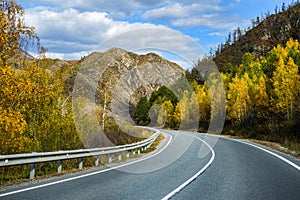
point(59, 167)
point(109, 158)
point(80, 163)
point(32, 170)
point(97, 161)
point(59, 156)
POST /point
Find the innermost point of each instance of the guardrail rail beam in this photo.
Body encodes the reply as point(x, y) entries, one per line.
point(58, 156)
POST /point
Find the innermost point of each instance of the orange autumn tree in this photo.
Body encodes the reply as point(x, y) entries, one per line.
point(13, 34)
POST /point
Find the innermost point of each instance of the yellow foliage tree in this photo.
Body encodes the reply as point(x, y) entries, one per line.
point(14, 91)
point(177, 115)
point(169, 109)
point(187, 111)
point(286, 83)
point(31, 117)
point(14, 34)
point(238, 100)
point(260, 97)
point(203, 98)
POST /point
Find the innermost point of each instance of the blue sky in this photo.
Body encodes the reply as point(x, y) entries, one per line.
point(70, 29)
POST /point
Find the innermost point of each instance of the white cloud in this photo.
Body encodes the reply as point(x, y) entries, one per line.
point(71, 34)
point(68, 25)
point(72, 31)
point(168, 43)
point(217, 34)
point(55, 55)
point(171, 11)
point(72, 28)
point(178, 10)
point(116, 8)
point(215, 21)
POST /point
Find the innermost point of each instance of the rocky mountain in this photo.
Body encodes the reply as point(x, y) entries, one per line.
point(139, 74)
point(121, 78)
point(275, 29)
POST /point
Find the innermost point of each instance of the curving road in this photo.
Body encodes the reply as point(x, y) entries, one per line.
point(222, 169)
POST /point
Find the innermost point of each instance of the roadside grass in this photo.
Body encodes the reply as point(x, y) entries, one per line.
point(288, 147)
point(154, 144)
point(294, 149)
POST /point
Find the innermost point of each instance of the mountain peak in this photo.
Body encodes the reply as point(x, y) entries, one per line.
point(140, 74)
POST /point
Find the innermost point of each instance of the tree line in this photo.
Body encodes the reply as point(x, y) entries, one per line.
point(262, 97)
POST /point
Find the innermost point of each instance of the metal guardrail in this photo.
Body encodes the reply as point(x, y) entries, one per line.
point(59, 156)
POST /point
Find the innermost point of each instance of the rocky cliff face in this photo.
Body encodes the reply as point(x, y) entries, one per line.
point(123, 77)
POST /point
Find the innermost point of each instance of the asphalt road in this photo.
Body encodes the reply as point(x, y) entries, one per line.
point(189, 166)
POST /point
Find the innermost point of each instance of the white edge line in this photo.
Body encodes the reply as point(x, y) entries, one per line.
point(272, 153)
point(261, 148)
point(90, 174)
point(187, 182)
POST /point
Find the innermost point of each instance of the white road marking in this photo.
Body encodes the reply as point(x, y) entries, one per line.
point(86, 175)
point(187, 182)
point(179, 188)
point(272, 153)
point(261, 148)
point(182, 186)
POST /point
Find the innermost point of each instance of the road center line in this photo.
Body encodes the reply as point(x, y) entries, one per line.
point(187, 182)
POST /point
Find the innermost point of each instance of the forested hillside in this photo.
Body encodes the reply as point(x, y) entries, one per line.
point(267, 31)
point(261, 74)
point(262, 82)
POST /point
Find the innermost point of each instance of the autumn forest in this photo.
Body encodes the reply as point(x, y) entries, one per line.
point(262, 95)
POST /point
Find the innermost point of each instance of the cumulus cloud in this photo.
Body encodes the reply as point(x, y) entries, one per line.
point(211, 14)
point(68, 31)
point(71, 34)
point(69, 25)
point(120, 9)
point(116, 8)
point(72, 28)
point(166, 42)
point(72, 31)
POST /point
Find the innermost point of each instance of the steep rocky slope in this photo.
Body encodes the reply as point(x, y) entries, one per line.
point(117, 79)
point(138, 75)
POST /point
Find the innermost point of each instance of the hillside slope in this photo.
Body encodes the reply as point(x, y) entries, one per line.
point(275, 29)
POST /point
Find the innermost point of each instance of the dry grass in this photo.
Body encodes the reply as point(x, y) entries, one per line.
point(278, 147)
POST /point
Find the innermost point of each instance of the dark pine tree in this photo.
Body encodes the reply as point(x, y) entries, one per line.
point(141, 113)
